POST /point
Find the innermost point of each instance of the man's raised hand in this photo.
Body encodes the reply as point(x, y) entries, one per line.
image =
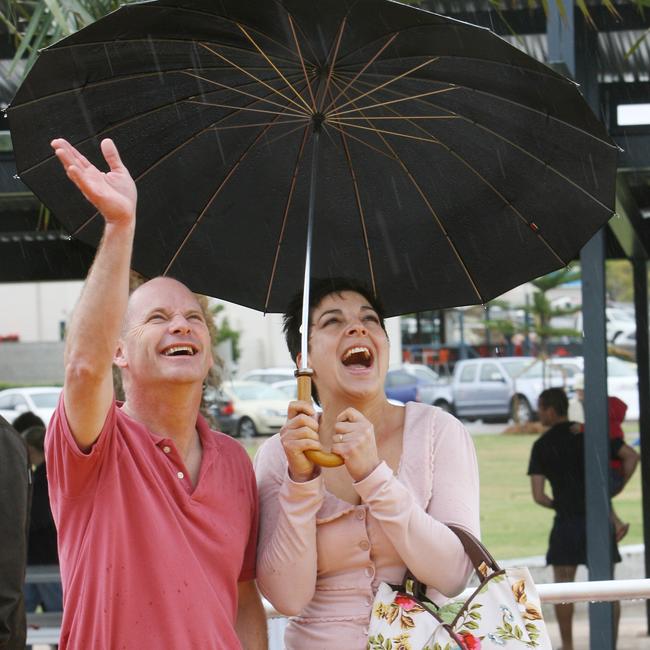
point(113, 193)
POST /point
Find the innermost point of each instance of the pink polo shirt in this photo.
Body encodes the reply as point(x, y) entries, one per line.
point(147, 561)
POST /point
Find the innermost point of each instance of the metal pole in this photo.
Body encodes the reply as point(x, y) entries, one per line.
point(643, 367)
point(527, 350)
point(304, 333)
point(462, 352)
point(572, 42)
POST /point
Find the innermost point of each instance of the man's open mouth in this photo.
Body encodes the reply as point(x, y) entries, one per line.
point(180, 351)
point(357, 356)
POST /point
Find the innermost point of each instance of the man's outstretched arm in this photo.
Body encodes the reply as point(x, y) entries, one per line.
point(97, 320)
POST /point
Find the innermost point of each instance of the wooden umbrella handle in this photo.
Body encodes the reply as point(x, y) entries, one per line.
point(322, 458)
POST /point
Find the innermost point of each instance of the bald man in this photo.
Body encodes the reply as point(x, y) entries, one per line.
point(157, 514)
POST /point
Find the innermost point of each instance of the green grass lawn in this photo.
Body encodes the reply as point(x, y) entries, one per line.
point(511, 524)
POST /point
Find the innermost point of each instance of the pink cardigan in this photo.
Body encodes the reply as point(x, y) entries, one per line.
point(321, 559)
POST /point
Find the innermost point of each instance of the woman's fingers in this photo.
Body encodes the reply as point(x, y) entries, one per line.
point(302, 420)
point(351, 415)
point(300, 446)
point(299, 406)
point(298, 433)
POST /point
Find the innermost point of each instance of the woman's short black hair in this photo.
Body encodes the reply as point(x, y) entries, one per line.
point(319, 289)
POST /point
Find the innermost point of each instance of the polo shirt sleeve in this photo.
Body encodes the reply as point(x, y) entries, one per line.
point(248, 571)
point(72, 472)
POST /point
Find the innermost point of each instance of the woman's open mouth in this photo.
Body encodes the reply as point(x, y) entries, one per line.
point(357, 357)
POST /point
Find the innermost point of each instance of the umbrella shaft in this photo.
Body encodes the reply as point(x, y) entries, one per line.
point(304, 339)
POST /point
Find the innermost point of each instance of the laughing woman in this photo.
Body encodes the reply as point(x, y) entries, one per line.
point(330, 536)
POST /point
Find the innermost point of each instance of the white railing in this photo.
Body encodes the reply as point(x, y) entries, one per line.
point(559, 592)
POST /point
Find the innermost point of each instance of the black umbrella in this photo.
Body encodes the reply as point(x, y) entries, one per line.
point(435, 161)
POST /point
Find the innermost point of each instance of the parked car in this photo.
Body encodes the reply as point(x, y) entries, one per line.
point(622, 379)
point(256, 407)
point(290, 388)
point(40, 400)
point(619, 323)
point(269, 375)
point(222, 408)
point(496, 388)
point(411, 382)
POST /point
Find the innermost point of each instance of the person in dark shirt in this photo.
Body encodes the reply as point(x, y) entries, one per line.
point(41, 548)
point(14, 522)
point(558, 456)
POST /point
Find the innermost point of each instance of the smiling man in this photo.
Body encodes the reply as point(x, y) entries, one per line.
point(156, 513)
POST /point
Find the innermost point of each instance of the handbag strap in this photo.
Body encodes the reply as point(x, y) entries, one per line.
point(481, 559)
point(477, 553)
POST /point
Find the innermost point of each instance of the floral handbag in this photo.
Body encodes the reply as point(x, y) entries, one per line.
point(503, 612)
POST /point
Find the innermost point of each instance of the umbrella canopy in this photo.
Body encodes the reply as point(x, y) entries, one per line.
point(451, 166)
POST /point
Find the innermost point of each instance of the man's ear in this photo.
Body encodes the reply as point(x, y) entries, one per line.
point(119, 358)
point(298, 359)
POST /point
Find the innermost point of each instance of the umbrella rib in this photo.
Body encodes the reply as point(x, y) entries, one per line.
point(248, 126)
point(434, 214)
point(332, 60)
point(155, 163)
point(120, 79)
point(503, 64)
point(514, 103)
point(362, 217)
point(302, 62)
point(393, 101)
point(236, 89)
point(211, 200)
point(314, 56)
point(287, 206)
point(360, 141)
point(408, 118)
point(365, 67)
point(509, 142)
point(241, 108)
point(277, 70)
point(386, 83)
point(252, 76)
point(530, 224)
point(284, 135)
point(117, 125)
point(384, 131)
point(58, 48)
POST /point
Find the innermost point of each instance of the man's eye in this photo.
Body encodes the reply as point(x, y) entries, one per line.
point(372, 318)
point(155, 317)
point(329, 321)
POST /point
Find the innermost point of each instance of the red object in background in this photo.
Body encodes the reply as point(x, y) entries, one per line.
point(11, 338)
point(616, 408)
point(227, 409)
